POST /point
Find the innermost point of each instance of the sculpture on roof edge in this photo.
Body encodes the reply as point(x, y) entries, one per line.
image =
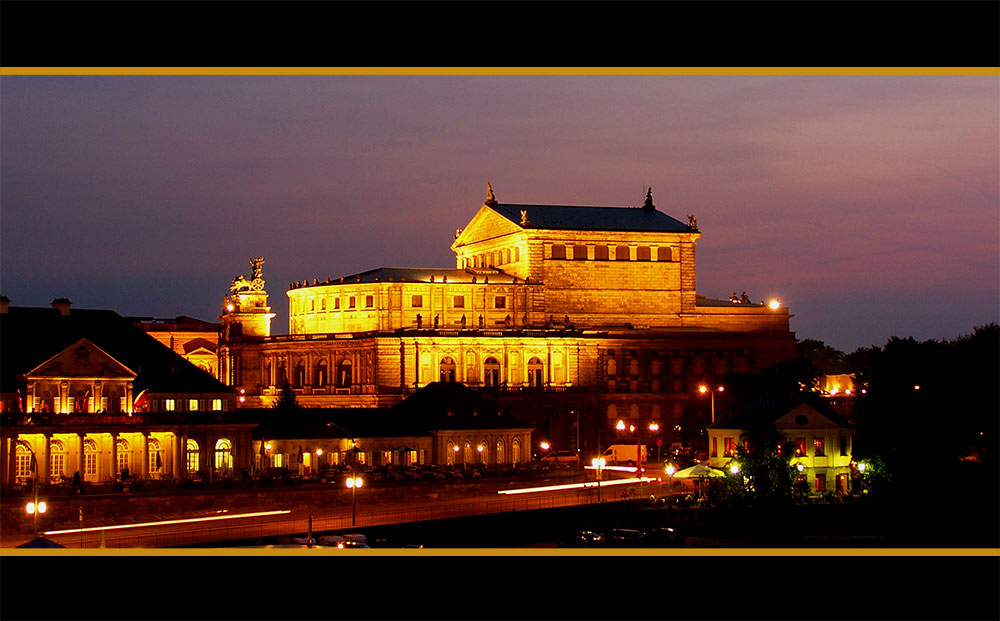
point(649, 199)
point(256, 283)
point(692, 223)
point(490, 198)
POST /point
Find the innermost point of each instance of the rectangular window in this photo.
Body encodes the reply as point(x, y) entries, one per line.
point(169, 405)
point(351, 302)
point(558, 251)
point(336, 304)
point(217, 405)
point(24, 466)
point(386, 458)
point(621, 253)
point(323, 304)
point(715, 447)
point(369, 301)
point(800, 447)
point(193, 405)
point(579, 253)
point(57, 463)
point(279, 460)
point(459, 301)
point(417, 301)
point(600, 253)
point(820, 483)
point(192, 461)
point(500, 302)
point(818, 447)
point(90, 464)
point(730, 448)
point(843, 446)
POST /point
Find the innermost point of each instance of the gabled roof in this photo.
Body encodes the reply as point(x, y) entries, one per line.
point(784, 415)
point(82, 359)
point(33, 335)
point(581, 218)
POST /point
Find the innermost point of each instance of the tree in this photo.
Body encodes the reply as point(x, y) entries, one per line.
point(286, 400)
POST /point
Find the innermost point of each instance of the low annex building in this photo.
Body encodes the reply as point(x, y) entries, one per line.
point(572, 316)
point(88, 396)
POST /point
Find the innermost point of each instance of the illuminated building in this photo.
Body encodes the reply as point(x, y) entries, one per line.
point(88, 392)
point(822, 443)
point(196, 340)
point(572, 316)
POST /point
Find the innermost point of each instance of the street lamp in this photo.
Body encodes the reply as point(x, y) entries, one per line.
point(479, 448)
point(703, 389)
point(655, 428)
point(353, 483)
point(598, 463)
point(34, 507)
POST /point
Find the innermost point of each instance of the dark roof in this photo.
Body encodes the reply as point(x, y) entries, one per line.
point(437, 406)
point(182, 322)
point(770, 411)
point(418, 274)
point(578, 218)
point(33, 335)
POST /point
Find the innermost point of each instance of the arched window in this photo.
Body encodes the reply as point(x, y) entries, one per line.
point(621, 253)
point(320, 374)
point(558, 251)
point(344, 374)
point(25, 469)
point(447, 369)
point(91, 459)
point(483, 449)
point(536, 374)
point(224, 454)
point(664, 253)
point(516, 451)
point(500, 452)
point(467, 454)
point(491, 370)
point(155, 458)
point(612, 367)
point(57, 460)
point(124, 456)
point(193, 454)
point(450, 453)
point(642, 253)
point(600, 253)
point(299, 378)
point(633, 366)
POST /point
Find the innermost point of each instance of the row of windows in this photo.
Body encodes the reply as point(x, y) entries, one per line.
point(579, 252)
point(91, 456)
point(193, 405)
point(493, 259)
point(416, 301)
point(458, 301)
point(466, 453)
point(819, 447)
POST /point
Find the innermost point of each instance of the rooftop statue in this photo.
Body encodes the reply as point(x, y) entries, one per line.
point(490, 198)
point(256, 283)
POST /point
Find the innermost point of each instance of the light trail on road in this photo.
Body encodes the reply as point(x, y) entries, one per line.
point(165, 522)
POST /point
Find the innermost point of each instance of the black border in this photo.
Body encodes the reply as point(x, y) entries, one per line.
point(489, 33)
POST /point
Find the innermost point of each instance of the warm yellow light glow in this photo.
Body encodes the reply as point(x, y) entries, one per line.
point(354, 482)
point(734, 469)
point(480, 448)
point(916, 387)
point(319, 452)
point(722, 389)
point(703, 389)
point(800, 467)
point(670, 471)
point(598, 462)
point(229, 307)
point(456, 449)
point(654, 427)
point(30, 508)
point(243, 399)
point(631, 428)
point(267, 446)
point(620, 426)
point(847, 392)
point(544, 446)
point(774, 304)
point(861, 466)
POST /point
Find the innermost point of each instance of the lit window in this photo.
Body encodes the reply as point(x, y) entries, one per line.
point(224, 454)
point(155, 460)
point(193, 455)
point(193, 405)
point(336, 304)
point(124, 456)
point(386, 458)
point(417, 301)
point(459, 301)
point(323, 304)
point(818, 447)
point(730, 448)
point(23, 466)
point(800, 447)
point(279, 460)
point(820, 483)
point(57, 461)
point(217, 404)
point(90, 455)
point(715, 447)
point(312, 305)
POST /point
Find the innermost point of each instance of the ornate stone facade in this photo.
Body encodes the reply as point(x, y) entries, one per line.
point(556, 310)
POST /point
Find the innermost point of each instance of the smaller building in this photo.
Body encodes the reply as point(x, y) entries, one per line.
point(196, 340)
point(444, 423)
point(822, 441)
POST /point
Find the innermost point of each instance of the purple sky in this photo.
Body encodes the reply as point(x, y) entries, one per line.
point(869, 204)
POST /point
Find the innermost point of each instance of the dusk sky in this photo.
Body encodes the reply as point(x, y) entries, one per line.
point(870, 205)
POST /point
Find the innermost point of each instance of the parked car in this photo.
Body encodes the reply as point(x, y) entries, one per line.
point(584, 539)
point(623, 538)
point(664, 537)
point(562, 457)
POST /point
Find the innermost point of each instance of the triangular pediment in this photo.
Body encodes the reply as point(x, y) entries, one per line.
point(486, 224)
point(82, 359)
point(804, 417)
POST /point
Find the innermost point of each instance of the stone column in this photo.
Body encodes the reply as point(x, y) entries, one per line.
point(144, 459)
point(180, 456)
point(114, 456)
point(42, 456)
point(80, 458)
point(6, 448)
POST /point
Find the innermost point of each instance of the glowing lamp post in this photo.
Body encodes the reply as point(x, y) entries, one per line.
point(479, 449)
point(33, 509)
point(353, 483)
point(703, 389)
point(598, 463)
